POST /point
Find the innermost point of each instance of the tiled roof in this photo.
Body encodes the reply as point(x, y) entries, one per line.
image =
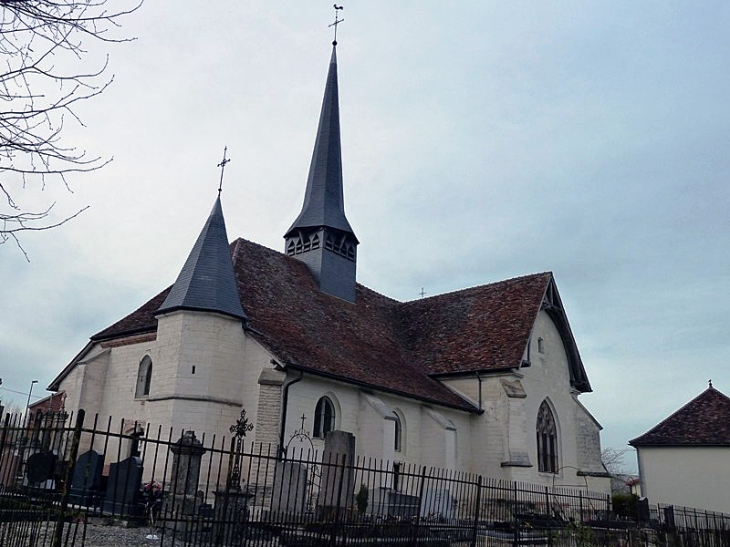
point(477, 329)
point(704, 421)
point(376, 341)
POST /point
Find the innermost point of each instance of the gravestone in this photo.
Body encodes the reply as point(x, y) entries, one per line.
point(187, 455)
point(438, 501)
point(39, 469)
point(338, 482)
point(290, 487)
point(123, 487)
point(86, 478)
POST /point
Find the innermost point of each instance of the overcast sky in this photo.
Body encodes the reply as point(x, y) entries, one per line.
point(481, 141)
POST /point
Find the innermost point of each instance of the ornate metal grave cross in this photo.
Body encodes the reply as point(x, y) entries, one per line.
point(239, 430)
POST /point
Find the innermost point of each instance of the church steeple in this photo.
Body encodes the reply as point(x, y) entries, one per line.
point(321, 236)
point(207, 281)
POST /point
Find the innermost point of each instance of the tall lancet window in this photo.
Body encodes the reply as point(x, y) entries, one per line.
point(547, 440)
point(144, 377)
point(324, 417)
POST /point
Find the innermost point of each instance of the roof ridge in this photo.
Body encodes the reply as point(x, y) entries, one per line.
point(482, 286)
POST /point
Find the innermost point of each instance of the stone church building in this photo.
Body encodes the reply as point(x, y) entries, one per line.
point(485, 379)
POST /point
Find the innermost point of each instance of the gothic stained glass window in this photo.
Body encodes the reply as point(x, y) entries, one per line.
point(547, 440)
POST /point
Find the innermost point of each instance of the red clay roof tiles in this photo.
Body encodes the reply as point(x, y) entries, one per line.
point(704, 421)
point(377, 341)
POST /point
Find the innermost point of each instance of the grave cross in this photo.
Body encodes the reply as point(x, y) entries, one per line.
point(239, 430)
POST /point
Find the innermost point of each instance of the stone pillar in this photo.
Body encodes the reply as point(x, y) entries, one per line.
point(516, 452)
point(268, 413)
point(338, 481)
point(187, 456)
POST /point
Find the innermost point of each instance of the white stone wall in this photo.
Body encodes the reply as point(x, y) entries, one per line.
point(548, 377)
point(503, 438)
point(233, 371)
point(687, 476)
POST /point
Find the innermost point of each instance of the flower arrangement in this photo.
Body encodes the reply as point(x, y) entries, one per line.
point(152, 495)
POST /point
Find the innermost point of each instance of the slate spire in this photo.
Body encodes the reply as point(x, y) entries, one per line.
point(207, 281)
point(324, 203)
point(321, 236)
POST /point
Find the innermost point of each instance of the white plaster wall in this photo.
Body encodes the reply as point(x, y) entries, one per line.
point(548, 377)
point(508, 423)
point(423, 440)
point(687, 476)
point(210, 398)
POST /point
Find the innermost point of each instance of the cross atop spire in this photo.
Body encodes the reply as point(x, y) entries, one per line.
point(337, 21)
point(222, 165)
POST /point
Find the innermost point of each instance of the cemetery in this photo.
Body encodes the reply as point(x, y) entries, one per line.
point(61, 485)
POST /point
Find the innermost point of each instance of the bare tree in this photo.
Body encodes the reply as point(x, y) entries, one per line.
point(43, 78)
point(613, 460)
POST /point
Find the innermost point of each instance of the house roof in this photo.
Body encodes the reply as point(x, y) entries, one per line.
point(376, 342)
point(704, 421)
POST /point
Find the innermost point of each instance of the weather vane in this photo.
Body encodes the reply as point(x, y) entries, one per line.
point(222, 165)
point(337, 22)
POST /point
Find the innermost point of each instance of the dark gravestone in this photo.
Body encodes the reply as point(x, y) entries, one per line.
point(86, 478)
point(40, 468)
point(123, 488)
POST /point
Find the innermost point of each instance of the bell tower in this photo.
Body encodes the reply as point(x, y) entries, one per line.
point(321, 236)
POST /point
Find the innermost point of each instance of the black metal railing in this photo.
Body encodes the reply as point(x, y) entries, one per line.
point(61, 473)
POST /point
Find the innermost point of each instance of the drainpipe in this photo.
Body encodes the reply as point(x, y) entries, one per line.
point(284, 404)
point(479, 378)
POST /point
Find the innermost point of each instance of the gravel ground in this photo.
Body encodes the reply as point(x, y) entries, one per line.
point(101, 534)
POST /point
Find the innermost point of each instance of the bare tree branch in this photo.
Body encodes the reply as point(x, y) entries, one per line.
point(43, 78)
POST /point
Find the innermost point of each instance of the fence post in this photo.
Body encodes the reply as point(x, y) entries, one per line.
point(515, 520)
point(547, 500)
point(420, 505)
point(333, 535)
point(58, 532)
point(476, 511)
point(222, 524)
point(6, 425)
point(580, 502)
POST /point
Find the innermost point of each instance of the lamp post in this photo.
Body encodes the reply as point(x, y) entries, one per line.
point(27, 404)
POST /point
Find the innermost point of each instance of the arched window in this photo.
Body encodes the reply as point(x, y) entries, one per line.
point(324, 417)
point(144, 377)
point(397, 443)
point(547, 440)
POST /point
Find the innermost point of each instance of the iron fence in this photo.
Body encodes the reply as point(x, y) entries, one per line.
point(186, 490)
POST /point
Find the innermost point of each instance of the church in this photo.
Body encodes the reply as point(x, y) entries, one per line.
point(485, 379)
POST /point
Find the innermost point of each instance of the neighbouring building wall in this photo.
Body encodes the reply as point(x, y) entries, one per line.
point(686, 476)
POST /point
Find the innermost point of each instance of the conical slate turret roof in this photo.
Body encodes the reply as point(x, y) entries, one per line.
point(324, 200)
point(207, 281)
